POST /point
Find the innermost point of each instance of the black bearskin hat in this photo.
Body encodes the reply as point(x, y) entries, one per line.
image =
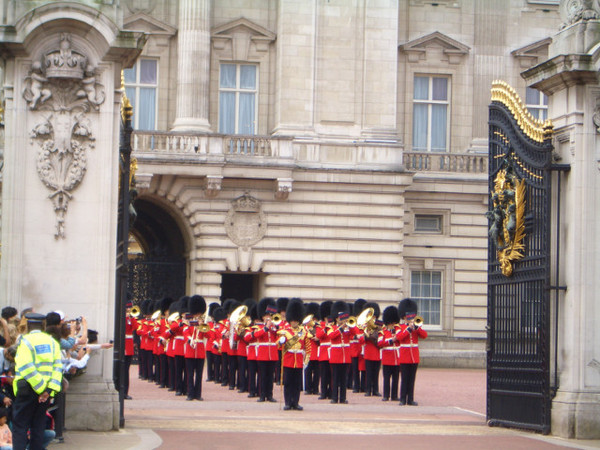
point(340, 309)
point(183, 305)
point(266, 306)
point(165, 304)
point(232, 306)
point(197, 304)
point(249, 302)
point(227, 305)
point(390, 315)
point(282, 304)
point(325, 309)
point(155, 305)
point(407, 307)
point(144, 307)
point(219, 314)
point(376, 309)
point(253, 312)
point(295, 310)
point(359, 305)
point(212, 307)
point(313, 308)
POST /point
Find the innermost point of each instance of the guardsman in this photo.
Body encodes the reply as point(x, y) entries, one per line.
point(372, 354)
point(142, 332)
point(251, 344)
point(266, 354)
point(321, 330)
point(225, 344)
point(38, 376)
point(292, 341)
point(161, 343)
point(194, 350)
point(408, 336)
point(131, 324)
point(311, 372)
point(354, 381)
point(210, 364)
point(219, 320)
point(339, 335)
point(282, 303)
point(176, 330)
point(390, 353)
point(242, 349)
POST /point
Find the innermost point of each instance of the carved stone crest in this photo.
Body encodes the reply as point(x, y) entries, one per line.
point(245, 223)
point(572, 11)
point(62, 86)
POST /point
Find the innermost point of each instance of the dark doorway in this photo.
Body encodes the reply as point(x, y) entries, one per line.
point(239, 286)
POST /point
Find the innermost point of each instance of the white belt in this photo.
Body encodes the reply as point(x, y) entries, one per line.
point(179, 337)
point(391, 349)
point(340, 345)
point(408, 345)
point(295, 351)
point(252, 344)
point(325, 344)
point(128, 336)
point(267, 343)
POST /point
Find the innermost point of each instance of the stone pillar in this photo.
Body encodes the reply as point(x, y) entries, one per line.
point(569, 78)
point(59, 196)
point(193, 66)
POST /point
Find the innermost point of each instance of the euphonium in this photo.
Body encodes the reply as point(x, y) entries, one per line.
point(366, 320)
point(135, 311)
point(418, 321)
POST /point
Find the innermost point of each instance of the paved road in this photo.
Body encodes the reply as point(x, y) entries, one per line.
point(450, 415)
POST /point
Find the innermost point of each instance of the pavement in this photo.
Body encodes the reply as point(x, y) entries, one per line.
point(450, 415)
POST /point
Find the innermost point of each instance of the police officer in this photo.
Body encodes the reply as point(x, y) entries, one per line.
point(38, 376)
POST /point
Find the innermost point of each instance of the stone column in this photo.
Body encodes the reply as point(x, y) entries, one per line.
point(193, 66)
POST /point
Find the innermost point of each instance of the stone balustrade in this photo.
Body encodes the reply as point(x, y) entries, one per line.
point(232, 147)
point(446, 162)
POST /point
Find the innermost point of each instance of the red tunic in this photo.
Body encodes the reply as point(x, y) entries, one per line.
point(142, 332)
point(266, 344)
point(390, 347)
point(225, 337)
point(251, 344)
point(177, 337)
point(321, 335)
point(194, 342)
point(130, 326)
point(294, 357)
point(339, 350)
point(409, 344)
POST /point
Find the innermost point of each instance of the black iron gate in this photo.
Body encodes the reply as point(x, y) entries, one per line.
point(157, 277)
point(518, 353)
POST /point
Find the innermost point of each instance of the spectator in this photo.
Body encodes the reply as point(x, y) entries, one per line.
point(5, 433)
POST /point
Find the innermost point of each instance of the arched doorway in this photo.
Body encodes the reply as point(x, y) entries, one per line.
point(157, 265)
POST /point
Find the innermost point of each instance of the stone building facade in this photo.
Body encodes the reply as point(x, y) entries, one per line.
point(325, 149)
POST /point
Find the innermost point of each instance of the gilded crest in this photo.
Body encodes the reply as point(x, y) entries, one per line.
point(507, 219)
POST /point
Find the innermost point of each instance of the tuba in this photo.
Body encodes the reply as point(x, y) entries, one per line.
point(366, 320)
point(234, 320)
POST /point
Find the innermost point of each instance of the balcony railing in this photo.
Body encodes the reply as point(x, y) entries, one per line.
point(286, 150)
point(446, 162)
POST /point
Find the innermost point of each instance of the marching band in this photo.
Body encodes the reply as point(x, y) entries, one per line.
point(320, 348)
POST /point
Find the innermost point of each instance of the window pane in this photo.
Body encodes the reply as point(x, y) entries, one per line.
point(227, 112)
point(439, 87)
point(248, 77)
point(432, 224)
point(147, 109)
point(532, 96)
point(130, 74)
point(148, 71)
point(438, 128)
point(419, 127)
point(130, 92)
point(246, 116)
point(421, 88)
point(227, 76)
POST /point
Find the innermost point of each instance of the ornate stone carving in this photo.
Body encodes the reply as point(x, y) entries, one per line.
point(283, 188)
point(213, 186)
point(140, 6)
point(64, 85)
point(596, 117)
point(572, 11)
point(245, 222)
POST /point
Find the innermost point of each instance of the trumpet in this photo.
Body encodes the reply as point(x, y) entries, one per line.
point(135, 312)
point(277, 319)
point(351, 322)
point(418, 321)
point(203, 328)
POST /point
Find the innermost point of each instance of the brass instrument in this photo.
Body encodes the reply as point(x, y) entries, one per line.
point(351, 322)
point(418, 321)
point(309, 321)
point(156, 314)
point(203, 328)
point(366, 320)
point(135, 312)
point(173, 317)
point(234, 319)
point(276, 319)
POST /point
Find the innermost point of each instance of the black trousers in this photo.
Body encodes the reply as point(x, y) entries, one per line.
point(390, 378)
point(28, 415)
point(278, 368)
point(156, 371)
point(149, 365)
point(372, 377)
point(354, 376)
point(142, 364)
point(217, 360)
point(224, 369)
point(210, 367)
point(325, 372)
point(193, 374)
point(164, 370)
point(407, 388)
point(292, 385)
point(59, 412)
point(171, 372)
point(179, 370)
point(252, 375)
point(128, 359)
point(311, 377)
point(339, 376)
point(233, 370)
point(266, 369)
point(242, 367)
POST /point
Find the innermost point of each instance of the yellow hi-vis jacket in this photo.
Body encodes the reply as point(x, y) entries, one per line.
point(38, 361)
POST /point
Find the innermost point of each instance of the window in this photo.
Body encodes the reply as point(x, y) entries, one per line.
point(430, 114)
point(426, 223)
point(537, 103)
point(426, 290)
point(237, 99)
point(141, 83)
